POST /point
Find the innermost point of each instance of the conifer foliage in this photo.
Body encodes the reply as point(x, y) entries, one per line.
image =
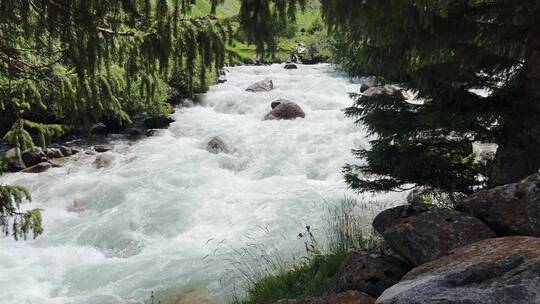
point(474, 67)
point(73, 63)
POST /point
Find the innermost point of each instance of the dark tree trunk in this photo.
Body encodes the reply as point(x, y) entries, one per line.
point(519, 148)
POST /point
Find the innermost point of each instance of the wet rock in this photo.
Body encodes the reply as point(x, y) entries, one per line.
point(39, 168)
point(104, 160)
point(150, 133)
point(379, 90)
point(370, 272)
point(261, 86)
point(419, 234)
point(512, 209)
point(216, 145)
point(102, 148)
point(349, 297)
point(66, 151)
point(491, 271)
point(285, 109)
point(222, 79)
point(368, 83)
point(158, 122)
point(53, 153)
point(290, 66)
point(32, 157)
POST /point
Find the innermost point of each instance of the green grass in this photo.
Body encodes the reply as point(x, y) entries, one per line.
point(269, 277)
point(242, 51)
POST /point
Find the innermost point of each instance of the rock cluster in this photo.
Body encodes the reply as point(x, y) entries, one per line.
point(485, 252)
point(37, 160)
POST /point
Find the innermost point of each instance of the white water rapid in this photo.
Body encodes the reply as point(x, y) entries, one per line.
point(164, 215)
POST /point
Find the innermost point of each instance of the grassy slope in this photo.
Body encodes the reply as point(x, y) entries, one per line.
point(285, 45)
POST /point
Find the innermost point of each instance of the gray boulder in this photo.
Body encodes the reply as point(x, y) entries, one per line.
point(216, 145)
point(32, 157)
point(369, 82)
point(512, 209)
point(53, 153)
point(39, 168)
point(379, 90)
point(285, 109)
point(349, 297)
point(290, 66)
point(221, 79)
point(420, 234)
point(66, 151)
point(369, 272)
point(102, 148)
point(261, 86)
point(158, 122)
point(492, 271)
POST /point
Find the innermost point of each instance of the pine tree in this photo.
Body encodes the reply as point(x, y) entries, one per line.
point(447, 52)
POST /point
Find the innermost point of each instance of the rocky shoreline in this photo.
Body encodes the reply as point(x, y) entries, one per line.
point(487, 251)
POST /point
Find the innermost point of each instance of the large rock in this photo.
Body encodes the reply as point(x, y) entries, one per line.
point(66, 151)
point(512, 209)
point(420, 234)
point(492, 271)
point(349, 297)
point(216, 145)
point(285, 109)
point(103, 148)
point(379, 90)
point(53, 153)
point(32, 157)
point(39, 168)
point(15, 163)
point(370, 272)
point(290, 66)
point(158, 122)
point(369, 82)
point(261, 86)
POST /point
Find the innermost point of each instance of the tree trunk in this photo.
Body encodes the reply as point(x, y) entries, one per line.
point(519, 148)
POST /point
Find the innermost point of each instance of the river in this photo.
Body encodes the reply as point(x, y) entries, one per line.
point(164, 215)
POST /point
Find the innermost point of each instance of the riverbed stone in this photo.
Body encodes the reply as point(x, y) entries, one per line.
point(158, 122)
point(66, 151)
point(221, 79)
point(216, 145)
point(53, 153)
point(369, 272)
point(369, 82)
point(348, 297)
point(285, 109)
point(32, 157)
point(379, 90)
point(420, 234)
point(102, 148)
point(290, 66)
point(261, 86)
point(491, 271)
point(512, 209)
point(39, 168)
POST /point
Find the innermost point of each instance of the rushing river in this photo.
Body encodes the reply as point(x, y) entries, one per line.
point(164, 215)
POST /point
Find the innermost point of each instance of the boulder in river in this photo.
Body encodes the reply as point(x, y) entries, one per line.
point(104, 160)
point(369, 272)
point(53, 153)
point(66, 151)
point(39, 168)
point(491, 271)
point(512, 209)
point(216, 145)
point(379, 90)
point(102, 148)
point(261, 86)
point(221, 79)
point(349, 297)
point(368, 83)
point(290, 66)
point(158, 122)
point(32, 157)
point(420, 234)
point(285, 109)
